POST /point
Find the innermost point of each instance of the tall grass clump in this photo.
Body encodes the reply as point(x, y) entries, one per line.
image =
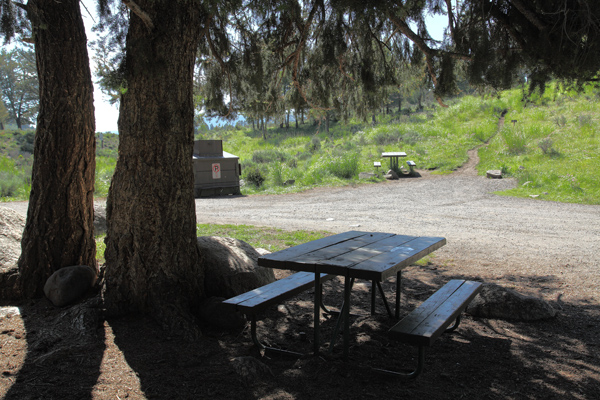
point(515, 140)
point(344, 166)
point(268, 155)
point(277, 173)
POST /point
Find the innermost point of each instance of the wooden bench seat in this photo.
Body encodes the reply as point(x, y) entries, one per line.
point(411, 167)
point(432, 318)
point(255, 301)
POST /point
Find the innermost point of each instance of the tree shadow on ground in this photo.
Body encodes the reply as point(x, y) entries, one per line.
point(65, 347)
point(484, 358)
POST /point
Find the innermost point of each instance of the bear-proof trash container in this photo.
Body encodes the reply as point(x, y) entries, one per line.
point(216, 172)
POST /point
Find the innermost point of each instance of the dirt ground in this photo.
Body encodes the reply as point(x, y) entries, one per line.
point(72, 353)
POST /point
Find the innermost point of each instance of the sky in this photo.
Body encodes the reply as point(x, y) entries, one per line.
point(107, 114)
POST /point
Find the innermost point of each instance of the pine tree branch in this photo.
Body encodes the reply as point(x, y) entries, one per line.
point(531, 17)
point(137, 10)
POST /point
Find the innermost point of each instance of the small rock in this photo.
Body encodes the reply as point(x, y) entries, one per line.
point(262, 251)
point(69, 283)
point(330, 219)
point(494, 174)
point(534, 195)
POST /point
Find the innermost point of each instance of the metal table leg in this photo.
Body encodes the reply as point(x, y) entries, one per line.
point(317, 306)
point(398, 292)
point(346, 311)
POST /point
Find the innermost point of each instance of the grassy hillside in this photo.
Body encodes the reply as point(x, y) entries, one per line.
point(548, 143)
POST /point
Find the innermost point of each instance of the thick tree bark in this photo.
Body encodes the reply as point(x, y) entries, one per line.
point(152, 260)
point(60, 220)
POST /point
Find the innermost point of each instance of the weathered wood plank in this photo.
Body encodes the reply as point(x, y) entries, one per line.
point(344, 249)
point(390, 260)
point(427, 322)
point(260, 298)
point(276, 259)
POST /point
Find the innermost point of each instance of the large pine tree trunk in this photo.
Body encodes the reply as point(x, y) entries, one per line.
point(152, 260)
point(60, 220)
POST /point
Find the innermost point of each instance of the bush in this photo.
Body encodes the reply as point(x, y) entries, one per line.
point(314, 145)
point(254, 175)
point(516, 142)
point(9, 184)
point(546, 146)
point(268, 155)
point(384, 137)
point(277, 174)
point(344, 167)
point(26, 141)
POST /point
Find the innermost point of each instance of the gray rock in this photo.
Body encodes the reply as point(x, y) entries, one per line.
point(69, 284)
point(497, 302)
point(494, 174)
point(262, 251)
point(99, 220)
point(391, 175)
point(212, 312)
point(12, 224)
point(231, 267)
point(11, 230)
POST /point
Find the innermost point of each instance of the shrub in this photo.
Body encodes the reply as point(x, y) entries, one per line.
point(9, 184)
point(268, 155)
point(254, 175)
point(385, 137)
point(546, 146)
point(314, 145)
point(516, 142)
point(560, 121)
point(585, 120)
point(344, 167)
point(277, 174)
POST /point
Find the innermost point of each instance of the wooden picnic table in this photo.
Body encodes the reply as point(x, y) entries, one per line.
point(373, 256)
point(394, 156)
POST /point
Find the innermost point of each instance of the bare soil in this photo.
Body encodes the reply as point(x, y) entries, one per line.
point(539, 248)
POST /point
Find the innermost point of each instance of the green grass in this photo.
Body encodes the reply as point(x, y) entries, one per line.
point(549, 143)
point(258, 237)
point(555, 153)
point(267, 238)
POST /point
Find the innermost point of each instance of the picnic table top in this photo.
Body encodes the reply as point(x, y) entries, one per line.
point(393, 154)
point(364, 255)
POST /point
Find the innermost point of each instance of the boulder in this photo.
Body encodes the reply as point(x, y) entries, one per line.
point(231, 267)
point(69, 284)
point(497, 302)
point(11, 229)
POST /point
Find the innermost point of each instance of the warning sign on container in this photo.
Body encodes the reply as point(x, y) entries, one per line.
point(216, 170)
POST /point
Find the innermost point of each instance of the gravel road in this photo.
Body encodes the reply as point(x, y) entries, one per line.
point(494, 235)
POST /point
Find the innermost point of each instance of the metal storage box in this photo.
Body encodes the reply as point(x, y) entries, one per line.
point(216, 172)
